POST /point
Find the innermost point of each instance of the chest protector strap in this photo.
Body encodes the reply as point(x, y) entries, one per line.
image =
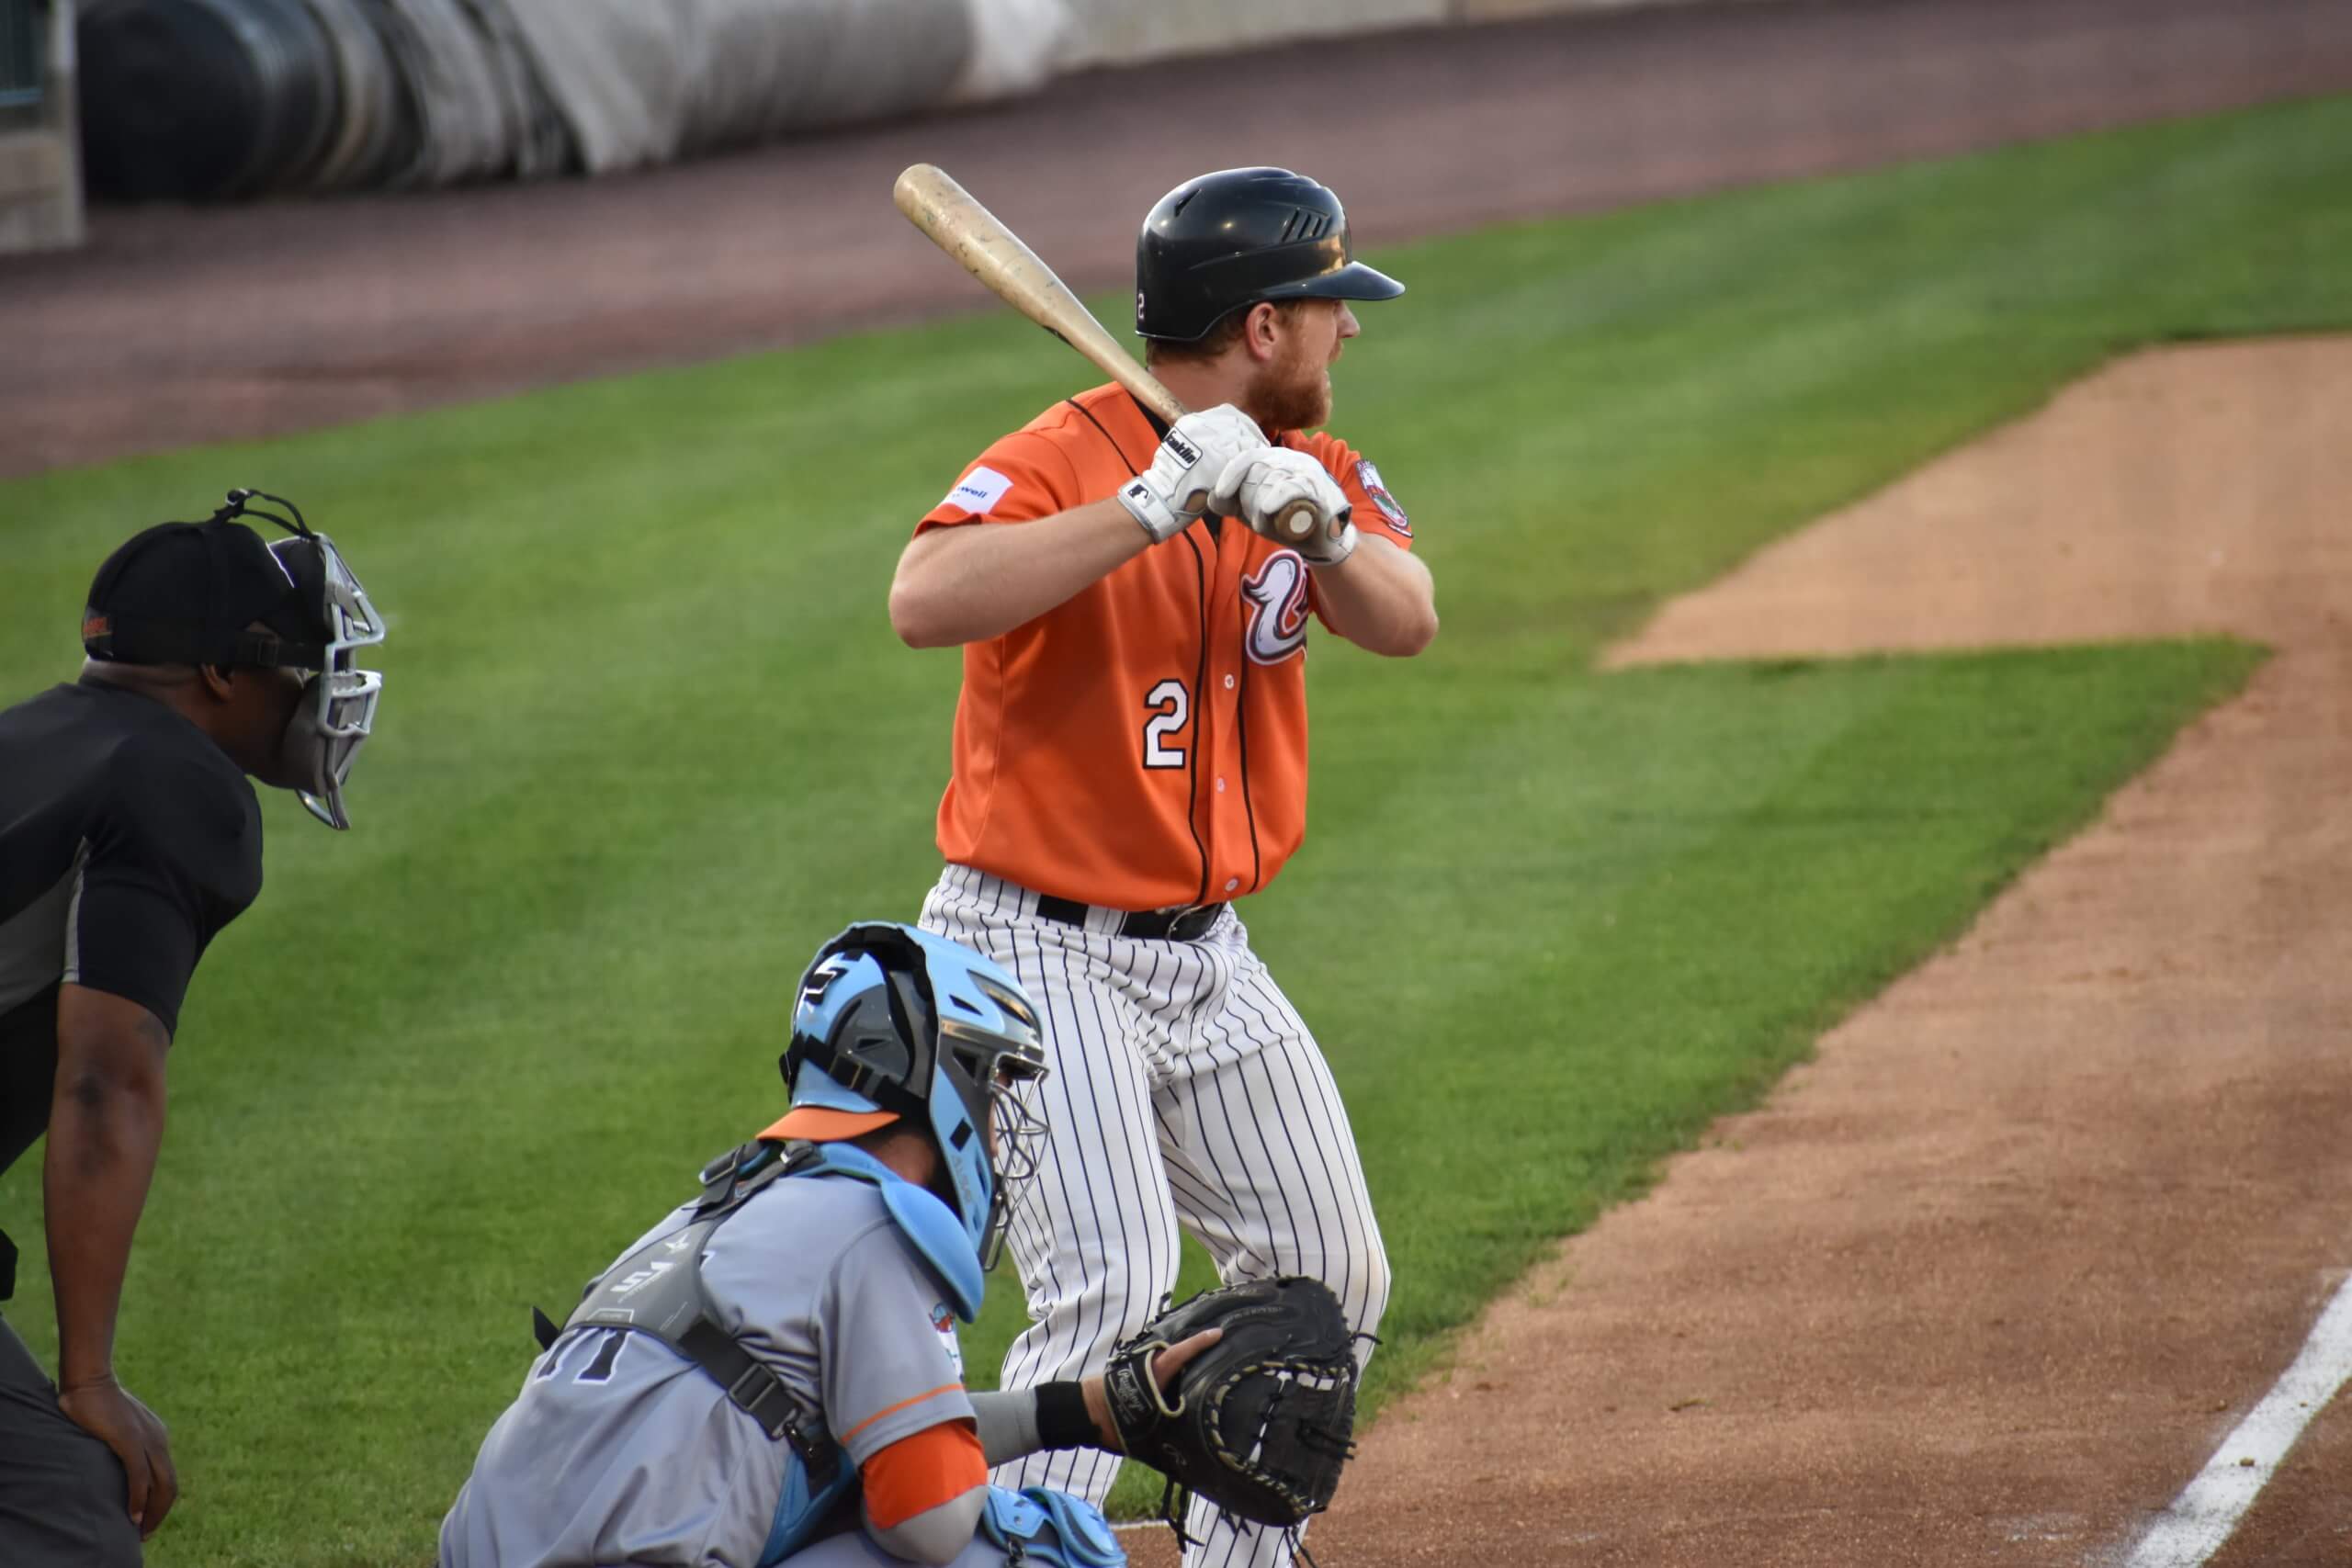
point(657, 1290)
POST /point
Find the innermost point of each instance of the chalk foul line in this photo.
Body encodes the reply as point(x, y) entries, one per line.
point(2209, 1507)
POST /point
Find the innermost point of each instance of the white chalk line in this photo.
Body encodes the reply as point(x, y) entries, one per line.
point(2209, 1507)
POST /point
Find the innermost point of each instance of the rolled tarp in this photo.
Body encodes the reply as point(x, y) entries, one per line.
point(541, 141)
point(208, 99)
point(377, 127)
point(199, 99)
point(1016, 45)
point(651, 81)
point(466, 129)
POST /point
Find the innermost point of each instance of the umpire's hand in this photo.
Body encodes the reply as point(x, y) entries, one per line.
point(111, 1413)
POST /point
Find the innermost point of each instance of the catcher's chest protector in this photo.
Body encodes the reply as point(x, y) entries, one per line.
point(657, 1290)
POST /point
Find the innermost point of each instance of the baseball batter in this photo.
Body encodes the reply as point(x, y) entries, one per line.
point(1130, 757)
point(770, 1374)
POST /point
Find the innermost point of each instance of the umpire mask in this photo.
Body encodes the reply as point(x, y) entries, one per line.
point(211, 592)
point(337, 709)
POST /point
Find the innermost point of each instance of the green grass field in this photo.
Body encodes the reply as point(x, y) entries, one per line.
point(647, 739)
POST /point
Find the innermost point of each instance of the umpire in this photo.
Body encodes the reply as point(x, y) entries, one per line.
point(129, 838)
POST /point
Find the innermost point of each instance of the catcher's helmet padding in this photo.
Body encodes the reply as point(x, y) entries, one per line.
point(893, 1021)
point(1238, 236)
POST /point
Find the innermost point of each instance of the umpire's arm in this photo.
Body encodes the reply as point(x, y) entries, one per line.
point(106, 1123)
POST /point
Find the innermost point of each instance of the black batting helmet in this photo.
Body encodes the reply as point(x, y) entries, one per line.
point(1238, 236)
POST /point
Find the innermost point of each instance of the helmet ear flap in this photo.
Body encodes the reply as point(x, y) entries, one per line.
point(860, 1038)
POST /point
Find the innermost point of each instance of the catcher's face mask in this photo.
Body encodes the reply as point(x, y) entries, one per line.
point(1016, 1135)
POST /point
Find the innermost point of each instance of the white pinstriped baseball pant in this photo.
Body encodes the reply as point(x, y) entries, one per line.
point(1185, 1091)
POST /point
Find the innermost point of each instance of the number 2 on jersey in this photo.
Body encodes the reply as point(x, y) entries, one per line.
point(1170, 705)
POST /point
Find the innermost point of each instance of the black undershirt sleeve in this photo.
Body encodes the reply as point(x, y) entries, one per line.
point(175, 857)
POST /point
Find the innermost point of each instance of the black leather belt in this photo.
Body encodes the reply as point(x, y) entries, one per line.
point(1148, 925)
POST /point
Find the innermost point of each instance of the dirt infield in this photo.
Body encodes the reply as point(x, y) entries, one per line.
point(176, 326)
point(1988, 1281)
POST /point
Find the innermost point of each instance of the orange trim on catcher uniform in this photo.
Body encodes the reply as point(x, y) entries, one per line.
point(918, 1399)
point(918, 1473)
point(820, 1124)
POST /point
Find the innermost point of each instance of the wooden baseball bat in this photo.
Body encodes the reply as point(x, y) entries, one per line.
point(975, 237)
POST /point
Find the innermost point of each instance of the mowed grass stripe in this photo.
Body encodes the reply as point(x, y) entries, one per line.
point(649, 740)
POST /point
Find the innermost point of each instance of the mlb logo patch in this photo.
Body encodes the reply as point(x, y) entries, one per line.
point(979, 491)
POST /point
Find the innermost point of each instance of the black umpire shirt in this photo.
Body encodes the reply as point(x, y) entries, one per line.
point(128, 839)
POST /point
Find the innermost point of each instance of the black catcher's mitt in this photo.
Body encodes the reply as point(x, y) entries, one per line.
point(1259, 1422)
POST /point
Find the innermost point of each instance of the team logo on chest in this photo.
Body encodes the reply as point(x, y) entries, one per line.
point(942, 1322)
point(1277, 596)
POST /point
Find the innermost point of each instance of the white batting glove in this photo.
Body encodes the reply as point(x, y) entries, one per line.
point(1290, 498)
point(1168, 497)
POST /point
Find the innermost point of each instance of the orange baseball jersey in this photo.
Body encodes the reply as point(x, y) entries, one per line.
point(1143, 744)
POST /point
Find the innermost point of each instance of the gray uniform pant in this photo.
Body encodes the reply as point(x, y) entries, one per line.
point(64, 1501)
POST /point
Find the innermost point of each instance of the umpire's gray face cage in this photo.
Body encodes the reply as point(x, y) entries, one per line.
point(337, 709)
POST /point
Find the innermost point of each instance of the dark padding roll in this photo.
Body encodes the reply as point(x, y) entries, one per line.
point(198, 99)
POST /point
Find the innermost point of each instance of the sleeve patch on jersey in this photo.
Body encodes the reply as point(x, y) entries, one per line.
point(979, 491)
point(1368, 477)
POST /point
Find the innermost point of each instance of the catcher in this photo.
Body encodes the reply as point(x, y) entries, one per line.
point(770, 1375)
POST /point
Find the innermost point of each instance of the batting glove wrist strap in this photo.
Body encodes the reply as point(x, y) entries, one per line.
point(1159, 520)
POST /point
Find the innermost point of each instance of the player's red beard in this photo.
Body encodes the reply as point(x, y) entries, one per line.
point(1293, 392)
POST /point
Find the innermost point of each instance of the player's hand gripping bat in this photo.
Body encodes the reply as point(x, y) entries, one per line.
point(994, 253)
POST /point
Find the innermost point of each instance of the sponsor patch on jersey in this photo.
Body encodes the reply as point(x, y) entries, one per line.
point(1368, 477)
point(943, 1319)
point(979, 491)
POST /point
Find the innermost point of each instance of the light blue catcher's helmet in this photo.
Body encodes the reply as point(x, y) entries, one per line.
point(894, 1022)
